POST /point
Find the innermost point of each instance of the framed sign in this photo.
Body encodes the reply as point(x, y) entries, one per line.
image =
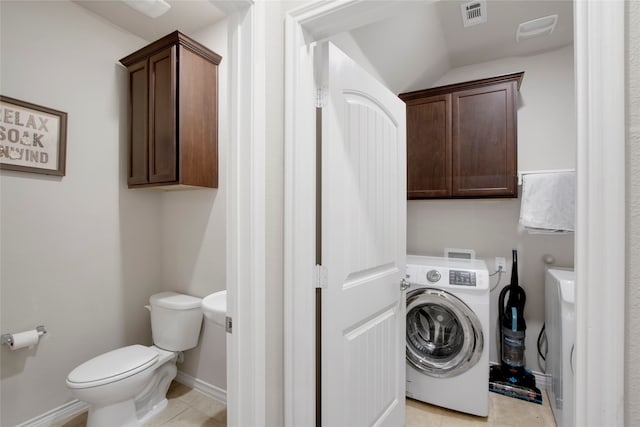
point(32, 138)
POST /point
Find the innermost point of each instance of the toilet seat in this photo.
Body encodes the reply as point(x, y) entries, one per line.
point(113, 366)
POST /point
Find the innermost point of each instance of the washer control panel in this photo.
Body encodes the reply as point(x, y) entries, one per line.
point(443, 272)
point(462, 278)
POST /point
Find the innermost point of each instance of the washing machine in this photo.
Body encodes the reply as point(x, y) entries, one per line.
point(448, 333)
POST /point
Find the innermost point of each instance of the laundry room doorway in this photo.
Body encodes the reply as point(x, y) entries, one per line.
point(600, 110)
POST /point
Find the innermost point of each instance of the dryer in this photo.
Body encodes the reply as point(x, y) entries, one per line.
point(560, 329)
point(447, 337)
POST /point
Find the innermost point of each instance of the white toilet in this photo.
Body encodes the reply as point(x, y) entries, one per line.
point(128, 386)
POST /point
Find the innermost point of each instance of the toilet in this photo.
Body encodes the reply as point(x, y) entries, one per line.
point(128, 386)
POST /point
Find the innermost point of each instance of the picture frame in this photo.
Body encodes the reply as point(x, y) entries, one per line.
point(33, 138)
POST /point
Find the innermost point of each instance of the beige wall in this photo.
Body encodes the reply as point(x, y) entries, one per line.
point(546, 140)
point(632, 338)
point(82, 254)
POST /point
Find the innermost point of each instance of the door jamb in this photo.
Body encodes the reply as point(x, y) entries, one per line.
point(246, 229)
point(599, 28)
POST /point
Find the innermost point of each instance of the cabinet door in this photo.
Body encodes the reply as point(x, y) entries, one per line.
point(138, 113)
point(429, 147)
point(484, 141)
point(162, 117)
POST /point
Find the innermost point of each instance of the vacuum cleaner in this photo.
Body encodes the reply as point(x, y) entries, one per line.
point(511, 378)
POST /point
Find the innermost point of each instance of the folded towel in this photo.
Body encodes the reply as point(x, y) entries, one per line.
point(548, 202)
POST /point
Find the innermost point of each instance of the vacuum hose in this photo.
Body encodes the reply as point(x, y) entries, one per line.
point(513, 326)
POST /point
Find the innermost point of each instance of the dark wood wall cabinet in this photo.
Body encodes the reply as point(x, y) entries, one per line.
point(173, 114)
point(462, 139)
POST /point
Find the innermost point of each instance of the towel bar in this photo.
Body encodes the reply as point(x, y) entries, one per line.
point(521, 173)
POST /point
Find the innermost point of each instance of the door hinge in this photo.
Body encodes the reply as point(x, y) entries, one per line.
point(320, 93)
point(228, 324)
point(320, 281)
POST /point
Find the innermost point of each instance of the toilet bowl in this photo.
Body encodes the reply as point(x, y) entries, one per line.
point(128, 386)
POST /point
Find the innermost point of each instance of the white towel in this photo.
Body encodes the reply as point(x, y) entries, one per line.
point(548, 202)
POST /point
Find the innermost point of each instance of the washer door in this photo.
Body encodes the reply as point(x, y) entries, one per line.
point(444, 336)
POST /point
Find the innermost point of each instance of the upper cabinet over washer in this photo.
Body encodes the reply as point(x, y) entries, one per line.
point(173, 114)
point(462, 139)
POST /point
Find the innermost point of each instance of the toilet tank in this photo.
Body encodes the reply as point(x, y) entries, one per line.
point(175, 320)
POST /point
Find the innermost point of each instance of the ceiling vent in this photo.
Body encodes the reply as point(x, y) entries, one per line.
point(150, 8)
point(537, 27)
point(474, 13)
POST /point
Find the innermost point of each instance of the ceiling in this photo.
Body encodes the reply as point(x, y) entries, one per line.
point(413, 50)
point(410, 50)
point(497, 37)
point(187, 16)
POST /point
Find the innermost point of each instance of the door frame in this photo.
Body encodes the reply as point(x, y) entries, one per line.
point(245, 211)
point(599, 33)
point(599, 29)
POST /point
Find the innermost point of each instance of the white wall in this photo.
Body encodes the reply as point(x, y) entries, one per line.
point(546, 140)
point(632, 338)
point(82, 254)
point(403, 72)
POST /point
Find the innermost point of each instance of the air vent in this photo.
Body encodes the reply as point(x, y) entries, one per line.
point(537, 27)
point(474, 13)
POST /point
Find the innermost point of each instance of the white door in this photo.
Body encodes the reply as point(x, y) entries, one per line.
point(363, 211)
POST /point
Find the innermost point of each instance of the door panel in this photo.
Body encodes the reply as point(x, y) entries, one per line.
point(363, 249)
point(429, 147)
point(162, 117)
point(139, 105)
point(484, 135)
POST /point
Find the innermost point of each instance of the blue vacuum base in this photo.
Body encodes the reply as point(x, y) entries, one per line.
point(520, 386)
point(519, 392)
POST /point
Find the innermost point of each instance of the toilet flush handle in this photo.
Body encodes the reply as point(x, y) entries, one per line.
point(148, 307)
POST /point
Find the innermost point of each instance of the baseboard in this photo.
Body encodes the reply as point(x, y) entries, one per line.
point(57, 415)
point(203, 387)
point(542, 380)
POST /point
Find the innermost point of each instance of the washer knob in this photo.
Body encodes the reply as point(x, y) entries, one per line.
point(433, 276)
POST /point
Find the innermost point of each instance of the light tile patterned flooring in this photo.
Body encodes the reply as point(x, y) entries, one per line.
point(189, 408)
point(504, 411)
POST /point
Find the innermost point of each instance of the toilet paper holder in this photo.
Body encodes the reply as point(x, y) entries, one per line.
point(8, 338)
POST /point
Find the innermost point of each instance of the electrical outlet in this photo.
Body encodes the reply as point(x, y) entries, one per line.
point(501, 262)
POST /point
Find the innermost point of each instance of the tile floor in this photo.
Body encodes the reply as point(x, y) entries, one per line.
point(189, 407)
point(504, 411)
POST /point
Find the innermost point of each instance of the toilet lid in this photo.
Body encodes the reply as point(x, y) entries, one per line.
point(112, 366)
point(175, 301)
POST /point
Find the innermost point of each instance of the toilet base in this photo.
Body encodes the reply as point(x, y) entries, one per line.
point(118, 414)
point(150, 402)
point(153, 399)
point(156, 410)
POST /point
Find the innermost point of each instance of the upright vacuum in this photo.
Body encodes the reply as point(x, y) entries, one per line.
point(511, 378)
